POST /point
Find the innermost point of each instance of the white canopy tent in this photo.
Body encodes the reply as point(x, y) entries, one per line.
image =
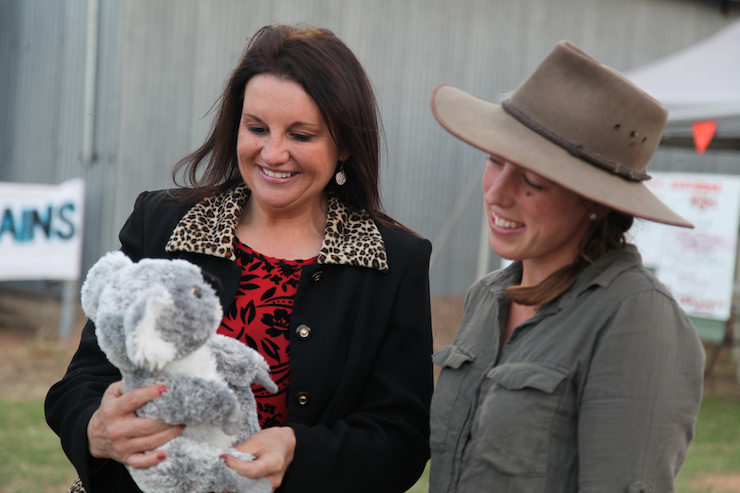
point(698, 83)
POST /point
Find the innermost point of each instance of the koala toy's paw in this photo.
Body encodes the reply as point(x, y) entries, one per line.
point(240, 455)
point(246, 485)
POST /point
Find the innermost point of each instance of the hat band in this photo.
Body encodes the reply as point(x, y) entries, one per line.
point(576, 150)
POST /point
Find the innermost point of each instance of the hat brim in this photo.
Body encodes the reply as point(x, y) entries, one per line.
point(488, 127)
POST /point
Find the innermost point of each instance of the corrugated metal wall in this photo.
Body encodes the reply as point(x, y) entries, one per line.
point(160, 65)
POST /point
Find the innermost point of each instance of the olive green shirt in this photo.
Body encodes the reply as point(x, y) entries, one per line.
point(598, 392)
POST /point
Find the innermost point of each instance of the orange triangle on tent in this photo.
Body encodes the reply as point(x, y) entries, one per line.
point(703, 132)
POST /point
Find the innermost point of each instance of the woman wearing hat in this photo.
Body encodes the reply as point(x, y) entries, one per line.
point(573, 369)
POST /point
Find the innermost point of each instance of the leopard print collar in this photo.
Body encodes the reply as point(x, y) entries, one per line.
point(209, 227)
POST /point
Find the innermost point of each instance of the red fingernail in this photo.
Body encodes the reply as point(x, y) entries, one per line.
point(162, 389)
point(222, 457)
point(161, 455)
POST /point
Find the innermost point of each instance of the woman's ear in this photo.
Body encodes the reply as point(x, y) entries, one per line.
point(596, 212)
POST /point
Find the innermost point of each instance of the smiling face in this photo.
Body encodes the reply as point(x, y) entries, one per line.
point(285, 150)
point(532, 219)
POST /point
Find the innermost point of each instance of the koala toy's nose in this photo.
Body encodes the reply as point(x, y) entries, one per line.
point(197, 293)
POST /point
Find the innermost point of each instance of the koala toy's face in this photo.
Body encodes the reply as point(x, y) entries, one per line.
point(173, 314)
point(150, 313)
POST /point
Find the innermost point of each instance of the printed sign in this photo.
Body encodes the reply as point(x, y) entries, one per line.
point(41, 230)
point(698, 265)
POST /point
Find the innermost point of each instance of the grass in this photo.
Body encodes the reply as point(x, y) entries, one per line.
point(31, 458)
point(715, 451)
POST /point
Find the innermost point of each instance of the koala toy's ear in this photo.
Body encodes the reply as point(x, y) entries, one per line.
point(145, 345)
point(97, 277)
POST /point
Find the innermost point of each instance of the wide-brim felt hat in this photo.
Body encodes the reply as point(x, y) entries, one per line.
point(574, 121)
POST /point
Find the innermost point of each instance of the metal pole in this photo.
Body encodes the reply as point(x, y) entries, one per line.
point(67, 308)
point(91, 68)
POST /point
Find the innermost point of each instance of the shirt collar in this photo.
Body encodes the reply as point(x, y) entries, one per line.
point(499, 280)
point(603, 271)
point(209, 227)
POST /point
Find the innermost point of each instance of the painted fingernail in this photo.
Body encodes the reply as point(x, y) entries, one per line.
point(161, 456)
point(162, 389)
point(222, 457)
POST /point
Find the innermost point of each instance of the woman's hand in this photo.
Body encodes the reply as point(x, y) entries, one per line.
point(272, 449)
point(115, 432)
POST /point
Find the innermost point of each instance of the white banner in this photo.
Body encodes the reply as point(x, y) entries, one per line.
point(41, 230)
point(697, 265)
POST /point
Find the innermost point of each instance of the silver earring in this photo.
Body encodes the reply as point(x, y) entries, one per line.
point(340, 177)
point(592, 216)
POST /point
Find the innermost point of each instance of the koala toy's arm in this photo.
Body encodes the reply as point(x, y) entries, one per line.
point(190, 400)
point(241, 365)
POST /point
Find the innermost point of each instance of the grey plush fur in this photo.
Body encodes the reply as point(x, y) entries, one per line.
point(156, 321)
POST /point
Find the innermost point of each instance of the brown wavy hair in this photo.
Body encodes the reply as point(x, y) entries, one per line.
point(606, 233)
point(331, 74)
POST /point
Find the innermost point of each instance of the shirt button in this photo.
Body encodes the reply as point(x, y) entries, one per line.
point(303, 331)
point(317, 276)
point(303, 398)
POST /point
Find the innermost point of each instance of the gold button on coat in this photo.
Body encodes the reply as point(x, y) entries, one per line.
point(303, 331)
point(302, 398)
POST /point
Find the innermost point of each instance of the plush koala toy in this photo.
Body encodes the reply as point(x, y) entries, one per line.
point(156, 321)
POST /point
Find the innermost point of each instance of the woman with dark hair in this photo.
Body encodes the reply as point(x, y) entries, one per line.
point(283, 213)
point(573, 369)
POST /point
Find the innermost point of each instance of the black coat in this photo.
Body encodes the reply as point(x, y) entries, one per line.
point(360, 384)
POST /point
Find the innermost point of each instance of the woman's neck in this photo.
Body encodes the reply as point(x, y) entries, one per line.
point(534, 271)
point(285, 236)
point(516, 315)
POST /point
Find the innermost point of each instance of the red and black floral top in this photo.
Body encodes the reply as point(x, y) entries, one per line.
point(260, 318)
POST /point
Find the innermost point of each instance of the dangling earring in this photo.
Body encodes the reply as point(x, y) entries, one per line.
point(592, 216)
point(340, 177)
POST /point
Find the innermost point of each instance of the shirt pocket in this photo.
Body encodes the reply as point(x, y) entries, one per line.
point(513, 424)
point(455, 362)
